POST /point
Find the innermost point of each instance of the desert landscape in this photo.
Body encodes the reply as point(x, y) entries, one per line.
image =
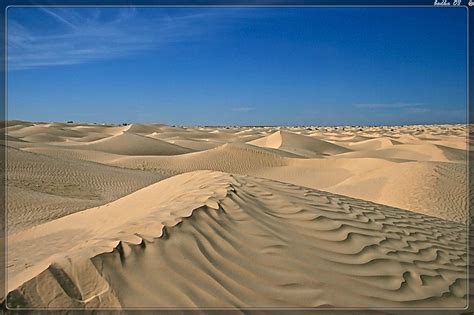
point(159, 216)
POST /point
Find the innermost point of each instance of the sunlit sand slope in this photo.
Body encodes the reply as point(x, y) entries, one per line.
point(299, 144)
point(132, 144)
point(433, 188)
point(211, 239)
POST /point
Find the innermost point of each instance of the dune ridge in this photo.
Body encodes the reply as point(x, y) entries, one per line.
point(299, 144)
point(231, 157)
point(306, 246)
point(127, 143)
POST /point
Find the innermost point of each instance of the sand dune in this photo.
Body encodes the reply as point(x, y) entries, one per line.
point(42, 188)
point(11, 139)
point(373, 144)
point(437, 189)
point(321, 173)
point(303, 159)
point(14, 123)
point(299, 144)
point(132, 144)
point(76, 154)
point(156, 215)
point(234, 158)
point(433, 188)
point(195, 145)
point(210, 239)
point(193, 135)
point(51, 131)
point(413, 152)
point(145, 129)
point(105, 130)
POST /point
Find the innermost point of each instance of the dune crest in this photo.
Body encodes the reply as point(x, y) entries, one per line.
point(231, 157)
point(127, 143)
point(299, 144)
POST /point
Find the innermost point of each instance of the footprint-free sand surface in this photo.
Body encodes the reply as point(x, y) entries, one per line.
point(241, 217)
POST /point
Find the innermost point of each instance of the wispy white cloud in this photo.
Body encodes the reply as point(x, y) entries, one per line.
point(417, 110)
point(388, 105)
point(85, 35)
point(59, 17)
point(242, 109)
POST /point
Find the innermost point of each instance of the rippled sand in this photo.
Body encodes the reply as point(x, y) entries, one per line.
point(259, 217)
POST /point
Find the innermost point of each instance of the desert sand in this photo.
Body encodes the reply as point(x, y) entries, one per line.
point(152, 215)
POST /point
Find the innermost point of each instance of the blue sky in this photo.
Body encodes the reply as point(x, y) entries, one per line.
point(239, 66)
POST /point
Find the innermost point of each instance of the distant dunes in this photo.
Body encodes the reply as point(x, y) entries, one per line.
point(157, 216)
point(128, 143)
point(233, 157)
point(298, 144)
point(349, 162)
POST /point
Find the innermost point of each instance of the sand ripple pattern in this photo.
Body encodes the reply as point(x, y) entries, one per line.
point(249, 243)
point(42, 188)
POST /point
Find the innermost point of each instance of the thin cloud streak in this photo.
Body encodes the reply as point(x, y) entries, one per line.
point(59, 18)
point(388, 105)
point(417, 110)
point(242, 109)
point(86, 38)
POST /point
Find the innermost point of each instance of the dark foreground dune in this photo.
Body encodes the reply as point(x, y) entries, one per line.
point(211, 239)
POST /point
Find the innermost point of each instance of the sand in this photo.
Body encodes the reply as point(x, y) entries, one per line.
point(160, 216)
point(42, 188)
